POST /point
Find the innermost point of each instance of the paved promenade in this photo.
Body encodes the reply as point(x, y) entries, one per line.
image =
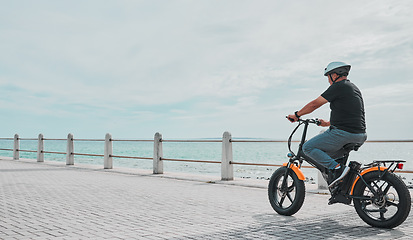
point(55, 201)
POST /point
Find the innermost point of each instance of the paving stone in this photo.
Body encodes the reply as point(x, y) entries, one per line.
point(44, 201)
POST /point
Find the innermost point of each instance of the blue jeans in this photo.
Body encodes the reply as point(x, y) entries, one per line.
point(325, 147)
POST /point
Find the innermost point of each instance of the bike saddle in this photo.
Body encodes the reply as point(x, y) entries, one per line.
point(351, 146)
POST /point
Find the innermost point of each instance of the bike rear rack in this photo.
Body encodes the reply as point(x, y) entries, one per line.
point(390, 165)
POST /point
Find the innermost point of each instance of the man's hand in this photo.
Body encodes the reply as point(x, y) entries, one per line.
point(324, 123)
point(292, 118)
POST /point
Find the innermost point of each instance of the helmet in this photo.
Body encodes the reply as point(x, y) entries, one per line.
point(339, 68)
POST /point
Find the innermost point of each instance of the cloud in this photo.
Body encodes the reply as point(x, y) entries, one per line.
point(180, 60)
point(390, 95)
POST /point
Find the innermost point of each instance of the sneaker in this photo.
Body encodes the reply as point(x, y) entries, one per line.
point(337, 174)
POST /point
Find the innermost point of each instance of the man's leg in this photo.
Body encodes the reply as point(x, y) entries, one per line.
point(328, 144)
point(323, 147)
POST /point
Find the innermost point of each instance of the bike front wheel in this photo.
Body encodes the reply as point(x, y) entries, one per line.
point(385, 203)
point(286, 192)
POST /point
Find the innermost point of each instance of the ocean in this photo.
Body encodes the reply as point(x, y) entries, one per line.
point(251, 152)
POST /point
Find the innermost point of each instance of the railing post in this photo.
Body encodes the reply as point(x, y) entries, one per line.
point(322, 184)
point(227, 169)
point(40, 148)
point(157, 154)
point(108, 160)
point(70, 158)
point(16, 147)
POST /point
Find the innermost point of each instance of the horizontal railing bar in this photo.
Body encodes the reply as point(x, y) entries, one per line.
point(258, 141)
point(404, 171)
point(188, 160)
point(264, 164)
point(283, 141)
point(6, 149)
point(116, 156)
point(256, 164)
point(21, 150)
point(53, 152)
point(277, 165)
point(89, 140)
point(163, 140)
point(88, 154)
point(130, 140)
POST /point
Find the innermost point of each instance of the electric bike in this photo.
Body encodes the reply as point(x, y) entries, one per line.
point(380, 197)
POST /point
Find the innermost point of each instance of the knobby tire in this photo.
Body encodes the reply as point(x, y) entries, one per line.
point(286, 200)
point(391, 208)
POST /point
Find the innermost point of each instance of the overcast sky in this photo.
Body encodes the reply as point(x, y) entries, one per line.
point(194, 69)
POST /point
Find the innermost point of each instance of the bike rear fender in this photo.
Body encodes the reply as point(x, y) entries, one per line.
point(364, 172)
point(297, 171)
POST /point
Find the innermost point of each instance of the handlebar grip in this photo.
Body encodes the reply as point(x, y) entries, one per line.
point(290, 119)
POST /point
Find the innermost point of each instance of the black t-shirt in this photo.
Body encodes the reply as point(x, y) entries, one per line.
point(347, 107)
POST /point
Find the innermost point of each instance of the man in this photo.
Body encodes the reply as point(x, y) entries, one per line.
point(347, 121)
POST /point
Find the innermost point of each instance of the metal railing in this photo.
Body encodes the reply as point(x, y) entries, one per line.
point(226, 161)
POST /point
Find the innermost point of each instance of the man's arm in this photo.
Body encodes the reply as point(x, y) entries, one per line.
point(313, 105)
point(309, 108)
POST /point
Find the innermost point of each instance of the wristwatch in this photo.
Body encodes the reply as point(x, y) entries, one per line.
point(296, 114)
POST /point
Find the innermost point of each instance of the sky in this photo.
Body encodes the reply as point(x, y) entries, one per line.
point(195, 69)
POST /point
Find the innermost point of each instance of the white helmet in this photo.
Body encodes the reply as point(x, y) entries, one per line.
point(340, 68)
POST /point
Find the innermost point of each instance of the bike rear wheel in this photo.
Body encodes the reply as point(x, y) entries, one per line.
point(286, 197)
point(391, 204)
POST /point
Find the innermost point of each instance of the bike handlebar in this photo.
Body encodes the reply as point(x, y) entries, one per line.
point(310, 120)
